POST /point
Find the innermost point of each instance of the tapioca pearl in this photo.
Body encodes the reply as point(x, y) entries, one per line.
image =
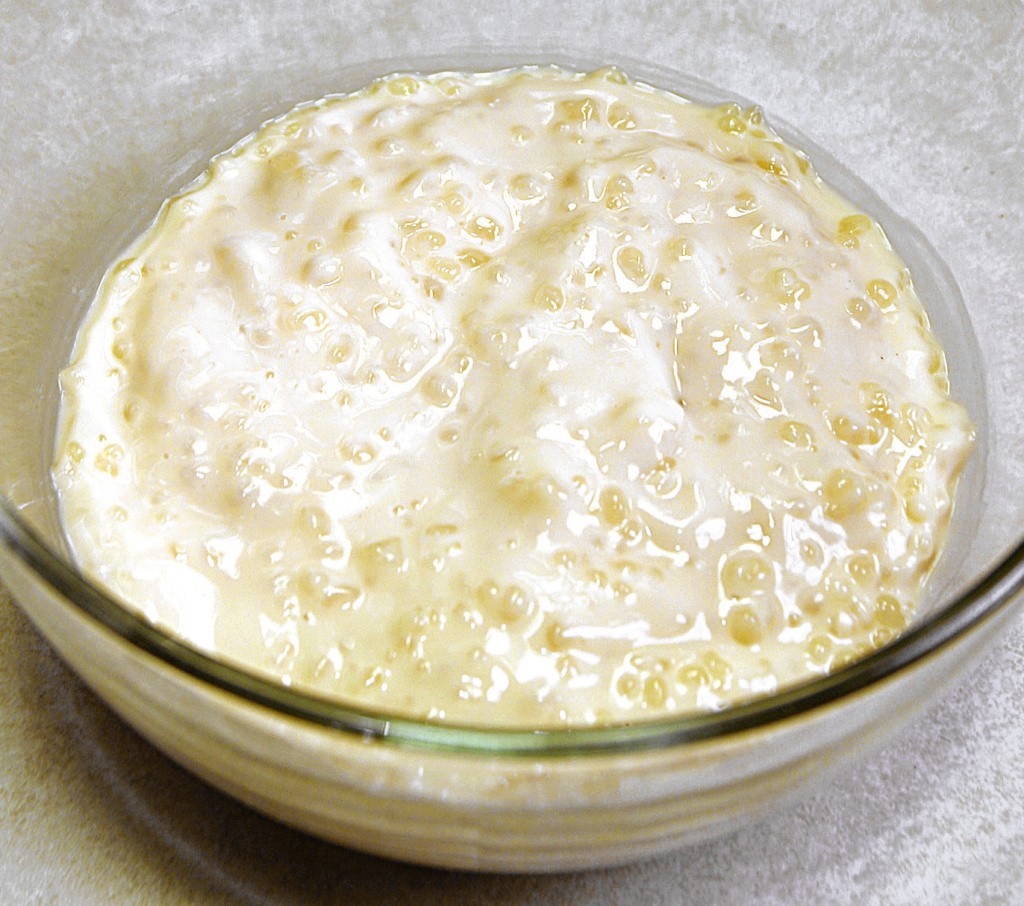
point(879, 404)
point(441, 544)
point(797, 435)
point(410, 226)
point(445, 269)
point(741, 204)
point(618, 193)
point(532, 497)
point(627, 687)
point(679, 249)
point(323, 269)
point(852, 227)
point(522, 135)
point(74, 455)
point(808, 332)
point(378, 562)
point(863, 568)
point(406, 353)
point(109, 459)
point(454, 202)
point(912, 423)
point(358, 452)
point(812, 553)
point(844, 493)
point(665, 481)
point(514, 605)
point(423, 242)
point(918, 503)
point(483, 228)
point(440, 389)
point(788, 288)
point(775, 164)
point(730, 119)
point(121, 350)
point(851, 430)
point(840, 620)
point(471, 259)
point(578, 111)
point(633, 531)
point(883, 294)
point(641, 689)
point(889, 613)
point(315, 521)
point(744, 625)
point(433, 289)
point(125, 277)
point(631, 269)
point(613, 506)
point(921, 547)
point(745, 573)
point(259, 337)
point(764, 391)
point(819, 650)
point(621, 117)
point(780, 356)
point(860, 310)
point(719, 670)
point(391, 146)
point(304, 319)
point(287, 164)
point(549, 298)
point(689, 679)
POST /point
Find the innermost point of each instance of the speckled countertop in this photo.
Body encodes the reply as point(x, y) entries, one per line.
point(924, 101)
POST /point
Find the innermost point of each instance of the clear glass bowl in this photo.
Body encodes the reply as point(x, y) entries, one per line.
point(441, 795)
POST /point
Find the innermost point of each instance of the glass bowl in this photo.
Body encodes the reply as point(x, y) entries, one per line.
point(440, 794)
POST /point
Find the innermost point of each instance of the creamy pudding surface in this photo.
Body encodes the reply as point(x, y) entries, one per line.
point(518, 399)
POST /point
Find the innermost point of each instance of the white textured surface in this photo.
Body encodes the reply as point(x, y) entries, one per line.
point(922, 100)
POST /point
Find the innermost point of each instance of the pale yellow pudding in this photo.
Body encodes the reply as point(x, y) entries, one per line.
point(519, 399)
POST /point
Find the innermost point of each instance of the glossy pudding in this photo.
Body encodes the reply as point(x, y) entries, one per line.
point(529, 398)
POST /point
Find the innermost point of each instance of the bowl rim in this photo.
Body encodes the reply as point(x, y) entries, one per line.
point(990, 594)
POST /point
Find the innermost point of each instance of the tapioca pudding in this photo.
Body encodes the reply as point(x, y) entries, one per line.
point(520, 399)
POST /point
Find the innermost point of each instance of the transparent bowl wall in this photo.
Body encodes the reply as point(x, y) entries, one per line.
point(454, 797)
